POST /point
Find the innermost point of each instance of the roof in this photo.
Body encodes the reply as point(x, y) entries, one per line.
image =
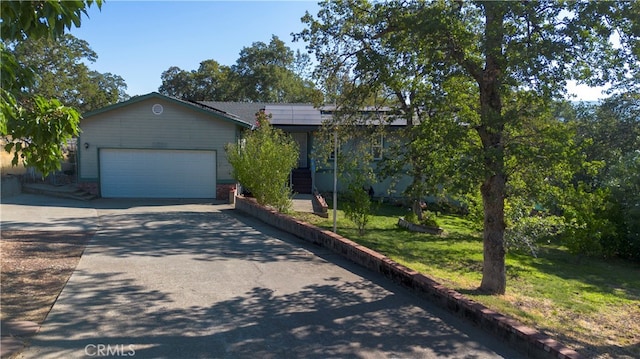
point(200, 107)
point(246, 111)
point(304, 114)
point(290, 114)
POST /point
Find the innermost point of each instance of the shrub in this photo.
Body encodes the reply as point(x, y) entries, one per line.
point(262, 162)
point(358, 207)
point(587, 227)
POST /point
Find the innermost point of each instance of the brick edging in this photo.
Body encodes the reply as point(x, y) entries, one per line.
point(531, 341)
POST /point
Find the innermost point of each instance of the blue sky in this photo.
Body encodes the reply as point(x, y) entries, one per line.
point(138, 40)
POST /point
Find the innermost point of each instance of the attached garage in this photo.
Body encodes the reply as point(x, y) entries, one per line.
point(133, 173)
point(156, 146)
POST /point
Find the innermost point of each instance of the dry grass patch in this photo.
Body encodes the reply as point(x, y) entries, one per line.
point(35, 267)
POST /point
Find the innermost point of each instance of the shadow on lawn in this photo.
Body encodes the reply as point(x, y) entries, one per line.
point(609, 276)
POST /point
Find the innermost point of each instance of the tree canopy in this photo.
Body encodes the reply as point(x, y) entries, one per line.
point(501, 63)
point(61, 72)
point(263, 73)
point(36, 128)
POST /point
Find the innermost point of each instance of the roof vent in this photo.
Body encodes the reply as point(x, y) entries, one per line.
point(157, 109)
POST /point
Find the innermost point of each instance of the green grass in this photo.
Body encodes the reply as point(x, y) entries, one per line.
point(590, 304)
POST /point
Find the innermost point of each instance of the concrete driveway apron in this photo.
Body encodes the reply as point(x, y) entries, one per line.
point(195, 280)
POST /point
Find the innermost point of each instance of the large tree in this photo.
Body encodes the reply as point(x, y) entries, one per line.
point(609, 134)
point(503, 48)
point(35, 129)
point(211, 81)
point(263, 73)
point(61, 72)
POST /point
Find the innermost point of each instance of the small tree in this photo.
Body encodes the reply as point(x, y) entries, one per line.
point(263, 161)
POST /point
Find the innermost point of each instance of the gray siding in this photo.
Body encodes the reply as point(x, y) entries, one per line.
point(135, 126)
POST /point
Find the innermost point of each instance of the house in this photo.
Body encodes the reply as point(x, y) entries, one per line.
point(300, 120)
point(159, 146)
point(303, 121)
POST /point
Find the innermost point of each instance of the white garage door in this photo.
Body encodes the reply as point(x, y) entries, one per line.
point(157, 173)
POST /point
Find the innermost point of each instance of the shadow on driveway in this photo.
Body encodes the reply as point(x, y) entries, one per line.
point(201, 281)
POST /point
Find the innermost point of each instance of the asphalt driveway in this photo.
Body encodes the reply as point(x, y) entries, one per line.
point(166, 279)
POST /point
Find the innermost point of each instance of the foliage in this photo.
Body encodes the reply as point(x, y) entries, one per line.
point(625, 195)
point(358, 207)
point(266, 73)
point(587, 227)
point(429, 218)
point(609, 134)
point(263, 73)
point(41, 19)
point(50, 122)
point(528, 226)
point(545, 292)
point(36, 127)
point(262, 162)
point(211, 81)
point(62, 73)
point(413, 51)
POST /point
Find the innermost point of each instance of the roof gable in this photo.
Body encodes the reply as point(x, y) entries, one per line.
point(200, 107)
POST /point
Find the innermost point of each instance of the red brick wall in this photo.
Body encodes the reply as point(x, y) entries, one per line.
point(222, 191)
point(529, 340)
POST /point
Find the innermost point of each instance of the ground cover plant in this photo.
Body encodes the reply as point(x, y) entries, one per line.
point(591, 305)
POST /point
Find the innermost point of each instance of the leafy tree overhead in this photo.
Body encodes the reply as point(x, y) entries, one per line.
point(41, 19)
point(211, 81)
point(263, 73)
point(62, 73)
point(36, 128)
point(504, 49)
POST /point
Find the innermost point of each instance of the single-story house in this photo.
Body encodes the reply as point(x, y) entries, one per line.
point(159, 146)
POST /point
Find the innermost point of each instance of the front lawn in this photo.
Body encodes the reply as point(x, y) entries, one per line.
point(591, 305)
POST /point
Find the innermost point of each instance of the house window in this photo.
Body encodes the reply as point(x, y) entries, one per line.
point(377, 144)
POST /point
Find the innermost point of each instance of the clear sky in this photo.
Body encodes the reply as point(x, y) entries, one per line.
point(139, 40)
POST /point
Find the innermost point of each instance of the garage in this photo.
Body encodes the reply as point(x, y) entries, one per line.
point(154, 173)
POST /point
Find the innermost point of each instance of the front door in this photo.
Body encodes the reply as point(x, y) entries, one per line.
point(301, 139)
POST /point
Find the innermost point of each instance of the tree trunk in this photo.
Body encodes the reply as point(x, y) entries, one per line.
point(494, 278)
point(417, 209)
point(491, 133)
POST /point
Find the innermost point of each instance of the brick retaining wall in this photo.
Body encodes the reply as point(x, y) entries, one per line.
point(529, 340)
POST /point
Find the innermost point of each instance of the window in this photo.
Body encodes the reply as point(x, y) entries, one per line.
point(377, 144)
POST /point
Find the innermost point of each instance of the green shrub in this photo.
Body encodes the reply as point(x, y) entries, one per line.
point(262, 162)
point(358, 207)
point(428, 218)
point(587, 227)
